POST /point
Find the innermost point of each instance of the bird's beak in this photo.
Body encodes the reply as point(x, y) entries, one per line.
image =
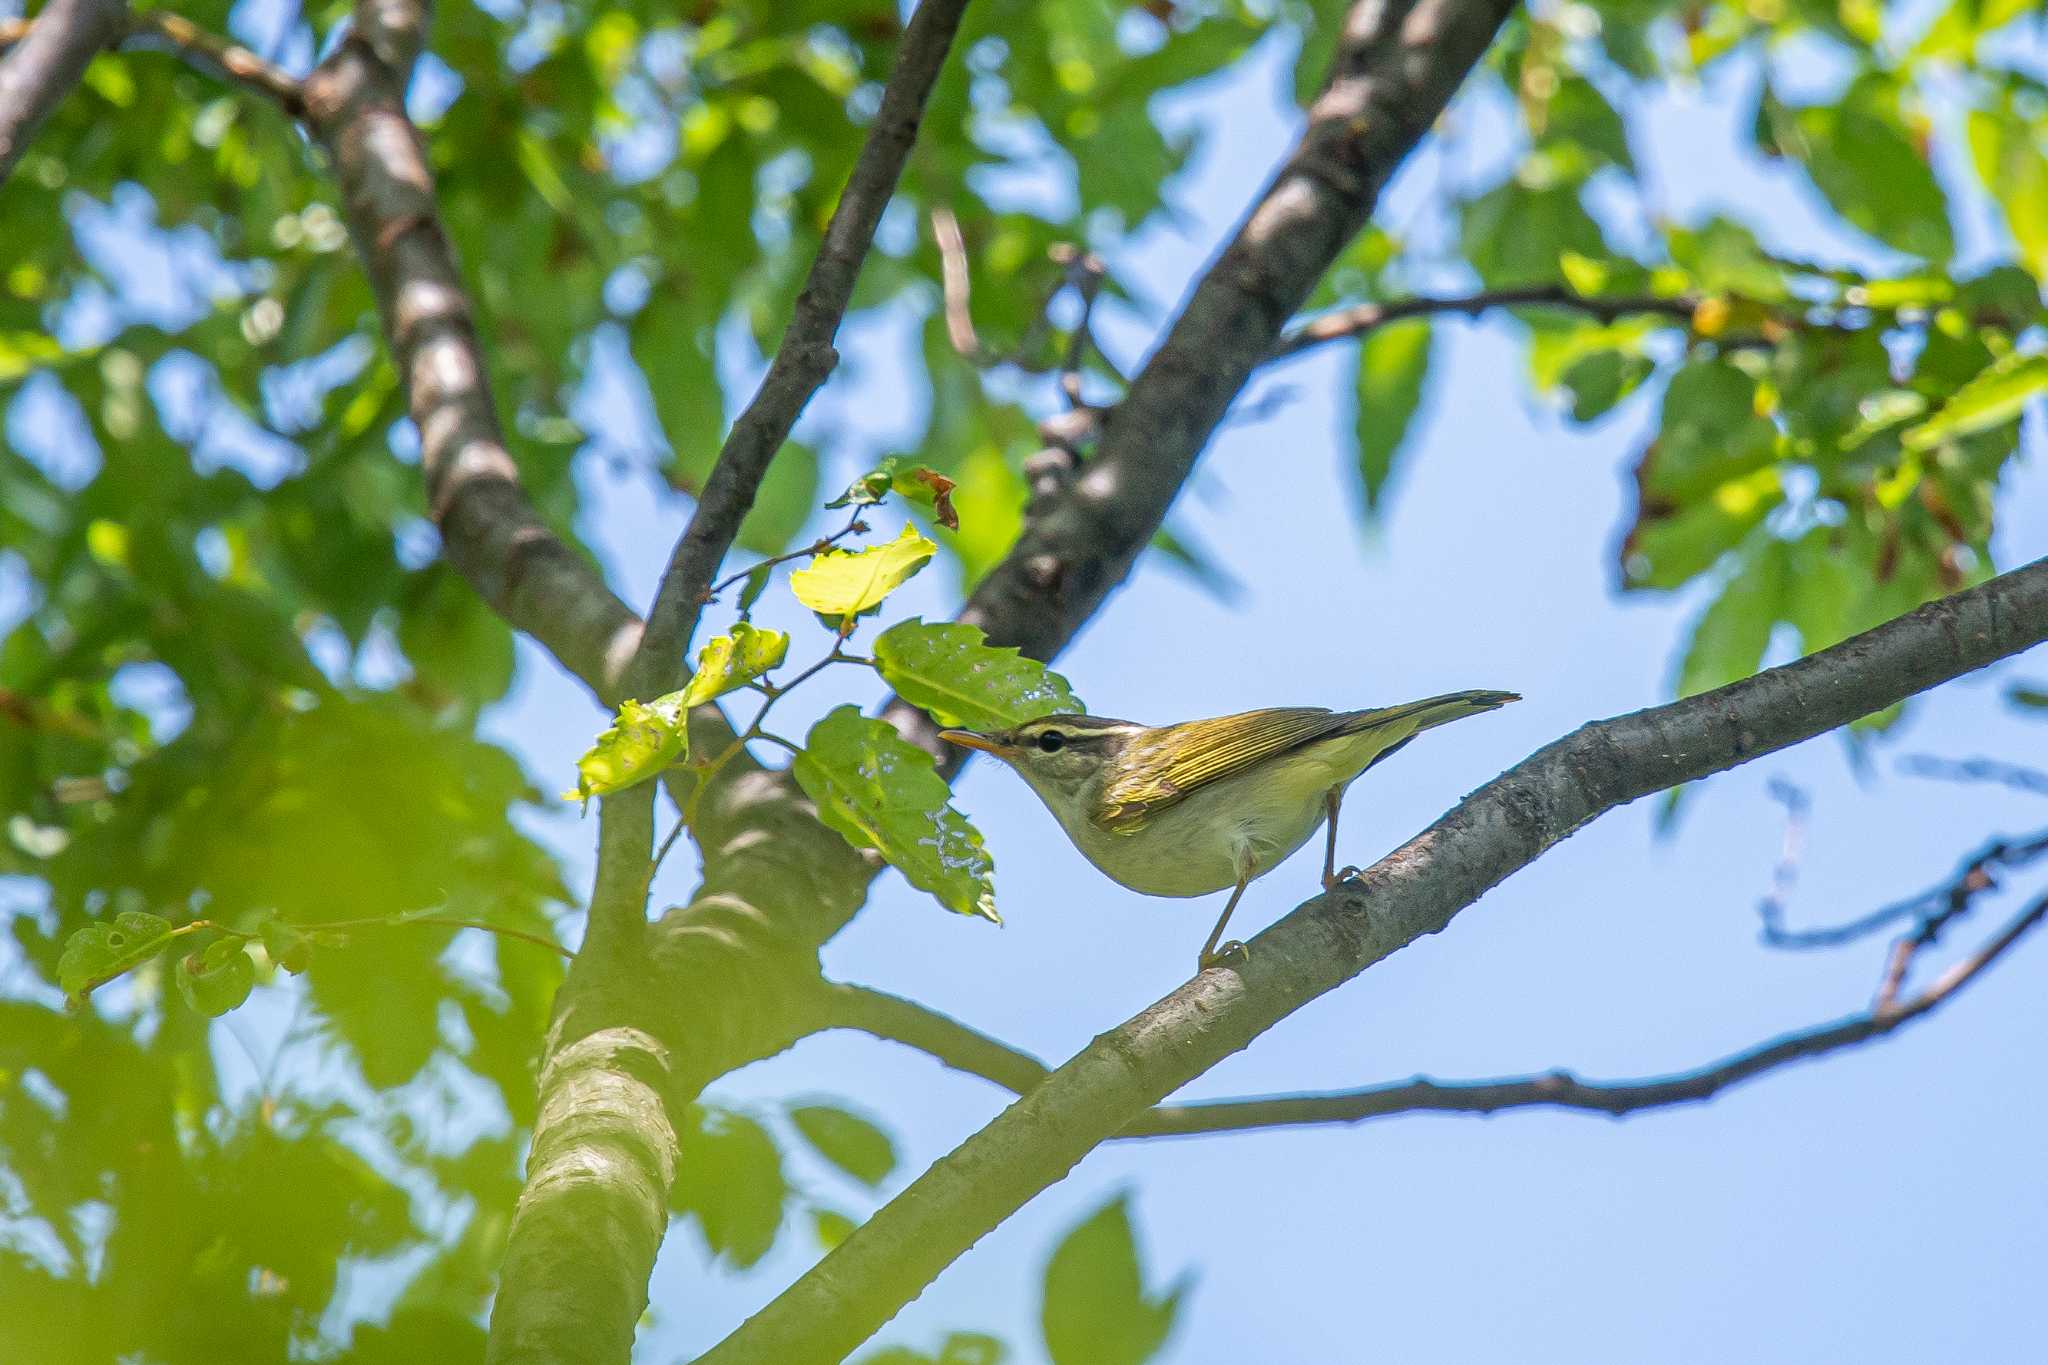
point(969, 739)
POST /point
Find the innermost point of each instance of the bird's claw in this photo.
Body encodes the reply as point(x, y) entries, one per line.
point(1342, 875)
point(1224, 952)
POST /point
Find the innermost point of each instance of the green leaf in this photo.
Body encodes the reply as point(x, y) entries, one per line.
point(97, 953)
point(2032, 698)
point(217, 978)
point(882, 793)
point(959, 1348)
point(643, 740)
point(729, 1177)
point(950, 671)
point(1995, 396)
point(849, 582)
point(1671, 544)
point(1599, 381)
point(1730, 637)
point(1710, 432)
point(847, 1140)
point(756, 584)
point(1095, 1310)
point(1860, 157)
point(455, 642)
point(912, 481)
point(831, 1226)
point(288, 945)
point(734, 660)
point(1393, 362)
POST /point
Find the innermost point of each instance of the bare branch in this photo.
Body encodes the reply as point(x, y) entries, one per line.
point(1366, 317)
point(1561, 1089)
point(806, 355)
point(2030, 780)
point(1936, 905)
point(217, 57)
point(42, 68)
point(490, 532)
point(938, 1035)
point(1326, 941)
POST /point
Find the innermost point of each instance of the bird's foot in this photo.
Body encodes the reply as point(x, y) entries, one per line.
point(1230, 948)
point(1343, 875)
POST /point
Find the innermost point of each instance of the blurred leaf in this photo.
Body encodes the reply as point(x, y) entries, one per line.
point(882, 793)
point(1670, 544)
point(959, 1348)
point(217, 978)
point(2032, 698)
point(644, 739)
point(455, 642)
point(1096, 1310)
point(729, 1178)
point(1731, 635)
point(784, 502)
point(1393, 362)
point(1993, 397)
point(850, 1142)
point(733, 660)
point(1860, 157)
point(288, 946)
point(849, 582)
point(2013, 167)
point(951, 672)
point(98, 953)
point(1198, 564)
point(831, 1226)
point(1710, 432)
point(1514, 234)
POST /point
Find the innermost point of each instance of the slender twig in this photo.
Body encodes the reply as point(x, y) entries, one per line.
point(218, 57)
point(1085, 272)
point(1561, 1089)
point(681, 824)
point(1791, 852)
point(1937, 904)
point(207, 53)
point(444, 921)
point(1365, 317)
point(816, 547)
point(772, 693)
point(806, 355)
point(2030, 780)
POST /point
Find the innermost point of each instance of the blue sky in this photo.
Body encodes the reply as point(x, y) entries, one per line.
point(1885, 1205)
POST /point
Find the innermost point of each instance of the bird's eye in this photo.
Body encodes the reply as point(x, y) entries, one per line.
point(1051, 742)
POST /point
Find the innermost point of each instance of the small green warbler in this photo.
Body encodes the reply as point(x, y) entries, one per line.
point(1184, 810)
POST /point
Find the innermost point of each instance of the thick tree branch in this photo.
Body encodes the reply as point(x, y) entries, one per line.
point(1396, 67)
point(1415, 890)
point(1366, 317)
point(806, 355)
point(1561, 1089)
point(49, 60)
point(490, 532)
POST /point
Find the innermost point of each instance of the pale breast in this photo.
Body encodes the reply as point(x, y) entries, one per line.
point(1198, 846)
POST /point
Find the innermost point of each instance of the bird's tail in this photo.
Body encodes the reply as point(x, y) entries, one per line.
point(1418, 716)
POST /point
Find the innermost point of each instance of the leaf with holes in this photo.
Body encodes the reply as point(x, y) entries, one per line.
point(882, 793)
point(733, 660)
point(644, 739)
point(98, 953)
point(953, 673)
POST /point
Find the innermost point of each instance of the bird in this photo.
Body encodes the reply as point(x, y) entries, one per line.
point(1186, 810)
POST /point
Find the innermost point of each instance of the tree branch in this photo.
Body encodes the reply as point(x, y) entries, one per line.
point(938, 1035)
point(1396, 67)
point(1329, 939)
point(490, 532)
point(217, 57)
point(1366, 317)
point(806, 356)
point(1936, 905)
point(49, 60)
point(1561, 1089)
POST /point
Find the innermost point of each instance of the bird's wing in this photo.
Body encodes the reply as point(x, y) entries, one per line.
point(1209, 751)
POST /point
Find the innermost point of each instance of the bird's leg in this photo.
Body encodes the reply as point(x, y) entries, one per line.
point(1213, 955)
point(1332, 799)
